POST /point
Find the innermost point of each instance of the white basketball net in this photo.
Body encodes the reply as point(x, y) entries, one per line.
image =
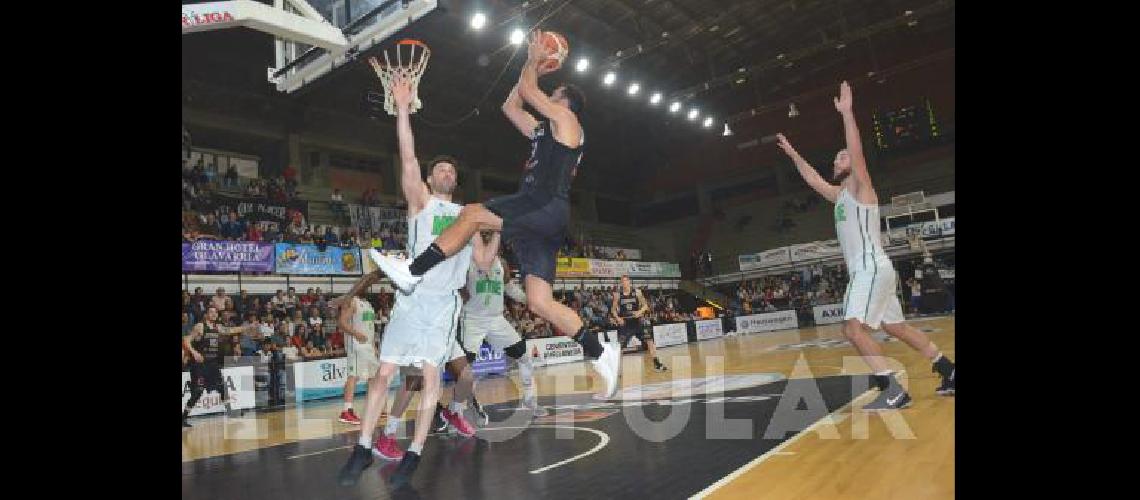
point(413, 70)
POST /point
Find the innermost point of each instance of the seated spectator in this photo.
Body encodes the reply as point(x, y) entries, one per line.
point(330, 236)
point(211, 228)
point(278, 304)
point(310, 351)
point(315, 320)
point(290, 301)
point(280, 335)
point(319, 340)
point(336, 339)
point(253, 233)
point(349, 239)
point(300, 335)
point(265, 353)
point(292, 353)
point(248, 344)
point(265, 327)
point(271, 235)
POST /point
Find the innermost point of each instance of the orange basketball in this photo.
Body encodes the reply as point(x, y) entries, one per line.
point(557, 47)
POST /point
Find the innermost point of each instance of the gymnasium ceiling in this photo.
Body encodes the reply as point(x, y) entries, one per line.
point(724, 57)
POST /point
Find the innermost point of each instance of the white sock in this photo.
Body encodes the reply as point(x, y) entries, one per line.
point(885, 372)
point(526, 372)
point(365, 441)
point(392, 426)
point(936, 357)
point(457, 406)
point(347, 405)
point(416, 448)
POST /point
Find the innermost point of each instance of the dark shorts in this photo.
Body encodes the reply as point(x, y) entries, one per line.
point(631, 328)
point(208, 376)
point(535, 227)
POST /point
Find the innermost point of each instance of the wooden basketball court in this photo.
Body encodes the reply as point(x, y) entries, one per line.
point(833, 453)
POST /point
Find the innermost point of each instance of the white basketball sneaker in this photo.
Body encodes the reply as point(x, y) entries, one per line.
point(397, 270)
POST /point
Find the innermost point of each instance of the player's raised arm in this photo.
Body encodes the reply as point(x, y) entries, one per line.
point(415, 190)
point(851, 132)
point(565, 123)
point(519, 117)
point(824, 188)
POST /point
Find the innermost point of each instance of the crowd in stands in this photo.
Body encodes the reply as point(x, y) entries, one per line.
point(200, 222)
point(593, 307)
point(304, 326)
point(803, 289)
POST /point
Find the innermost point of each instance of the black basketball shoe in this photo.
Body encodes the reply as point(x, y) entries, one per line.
point(360, 459)
point(945, 368)
point(892, 398)
point(403, 474)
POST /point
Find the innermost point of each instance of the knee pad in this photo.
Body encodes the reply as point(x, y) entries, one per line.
point(517, 350)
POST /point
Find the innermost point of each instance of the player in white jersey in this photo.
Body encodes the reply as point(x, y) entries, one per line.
point(357, 320)
point(422, 329)
point(870, 300)
point(483, 319)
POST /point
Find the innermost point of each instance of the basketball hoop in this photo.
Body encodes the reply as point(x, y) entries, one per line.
point(413, 70)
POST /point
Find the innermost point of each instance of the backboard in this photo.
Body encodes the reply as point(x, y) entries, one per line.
point(364, 23)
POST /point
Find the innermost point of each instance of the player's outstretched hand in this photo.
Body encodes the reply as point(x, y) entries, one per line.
point(843, 102)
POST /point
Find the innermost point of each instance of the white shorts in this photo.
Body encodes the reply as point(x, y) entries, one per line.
point(361, 359)
point(871, 298)
point(422, 329)
point(496, 330)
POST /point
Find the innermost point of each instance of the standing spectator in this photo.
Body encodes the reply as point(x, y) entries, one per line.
point(278, 304)
point(915, 295)
point(253, 233)
point(199, 303)
point(290, 174)
point(220, 301)
point(337, 203)
point(306, 300)
point(291, 301)
point(331, 237)
point(241, 305)
point(232, 177)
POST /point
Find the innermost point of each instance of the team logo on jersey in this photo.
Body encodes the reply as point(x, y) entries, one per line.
point(840, 213)
point(441, 222)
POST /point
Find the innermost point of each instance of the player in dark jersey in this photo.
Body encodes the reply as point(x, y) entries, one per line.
point(533, 220)
point(628, 308)
point(204, 344)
